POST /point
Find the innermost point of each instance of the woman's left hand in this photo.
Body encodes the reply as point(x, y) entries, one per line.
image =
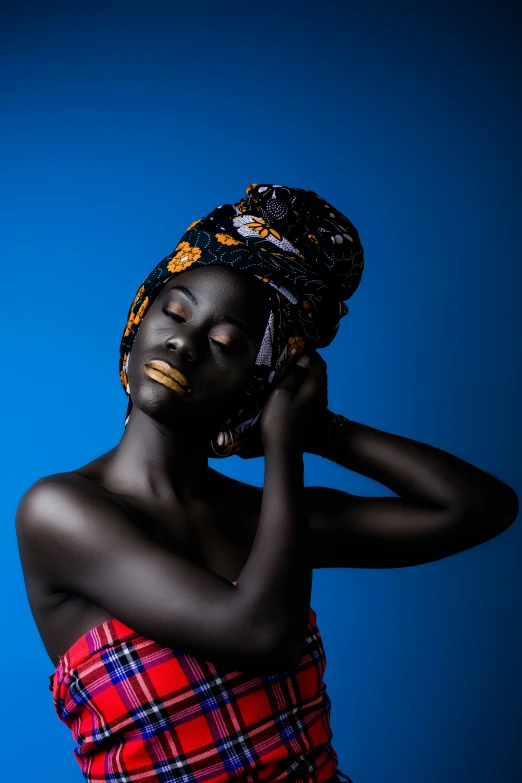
point(316, 427)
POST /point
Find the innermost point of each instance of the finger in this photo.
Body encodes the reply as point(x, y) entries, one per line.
point(298, 373)
point(316, 372)
point(318, 365)
point(315, 384)
point(294, 376)
point(314, 354)
point(316, 358)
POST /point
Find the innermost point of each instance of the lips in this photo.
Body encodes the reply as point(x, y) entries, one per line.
point(170, 372)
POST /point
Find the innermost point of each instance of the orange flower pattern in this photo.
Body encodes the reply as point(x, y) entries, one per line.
point(123, 373)
point(263, 229)
point(226, 239)
point(184, 258)
point(296, 346)
point(135, 318)
point(251, 226)
point(242, 205)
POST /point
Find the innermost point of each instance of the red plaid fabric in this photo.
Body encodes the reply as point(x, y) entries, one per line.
point(140, 711)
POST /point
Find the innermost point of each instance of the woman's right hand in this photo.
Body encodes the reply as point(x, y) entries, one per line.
point(287, 410)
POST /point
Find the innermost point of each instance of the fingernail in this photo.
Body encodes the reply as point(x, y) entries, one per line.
point(304, 361)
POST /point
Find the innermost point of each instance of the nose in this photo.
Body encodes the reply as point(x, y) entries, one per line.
point(183, 344)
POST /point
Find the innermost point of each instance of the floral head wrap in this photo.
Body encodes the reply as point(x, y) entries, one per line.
point(307, 251)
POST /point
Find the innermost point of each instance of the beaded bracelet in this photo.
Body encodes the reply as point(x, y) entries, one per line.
point(332, 432)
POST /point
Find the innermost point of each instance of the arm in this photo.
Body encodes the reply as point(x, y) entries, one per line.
point(78, 540)
point(278, 572)
point(445, 504)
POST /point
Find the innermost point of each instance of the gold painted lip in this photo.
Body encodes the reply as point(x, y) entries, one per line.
point(165, 369)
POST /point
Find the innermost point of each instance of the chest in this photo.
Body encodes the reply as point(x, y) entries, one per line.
point(220, 541)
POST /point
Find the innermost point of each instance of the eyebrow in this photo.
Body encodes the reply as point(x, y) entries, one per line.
point(226, 318)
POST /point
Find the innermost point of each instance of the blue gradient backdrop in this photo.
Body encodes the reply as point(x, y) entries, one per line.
point(122, 124)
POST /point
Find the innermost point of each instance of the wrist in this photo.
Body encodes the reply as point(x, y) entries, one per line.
point(316, 436)
point(286, 450)
point(329, 447)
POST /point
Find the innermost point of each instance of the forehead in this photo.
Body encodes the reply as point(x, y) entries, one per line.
point(221, 287)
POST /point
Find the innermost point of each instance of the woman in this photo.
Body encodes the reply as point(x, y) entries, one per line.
point(173, 601)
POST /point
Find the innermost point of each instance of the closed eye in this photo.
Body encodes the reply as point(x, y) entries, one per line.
point(225, 347)
point(175, 316)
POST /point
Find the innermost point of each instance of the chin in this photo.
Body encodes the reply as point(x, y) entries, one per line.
point(171, 407)
point(172, 410)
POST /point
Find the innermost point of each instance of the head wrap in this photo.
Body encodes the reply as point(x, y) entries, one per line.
point(307, 251)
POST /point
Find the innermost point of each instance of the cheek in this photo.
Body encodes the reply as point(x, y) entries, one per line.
point(224, 388)
point(218, 389)
point(139, 389)
point(232, 376)
point(134, 362)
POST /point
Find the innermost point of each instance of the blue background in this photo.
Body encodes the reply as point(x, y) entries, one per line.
point(121, 125)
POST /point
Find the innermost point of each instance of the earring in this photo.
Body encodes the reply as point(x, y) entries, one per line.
point(225, 440)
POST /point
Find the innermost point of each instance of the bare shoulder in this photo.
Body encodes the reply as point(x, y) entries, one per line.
point(40, 499)
point(53, 517)
point(50, 489)
point(58, 503)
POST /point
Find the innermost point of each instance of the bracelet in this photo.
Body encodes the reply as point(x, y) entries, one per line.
point(332, 432)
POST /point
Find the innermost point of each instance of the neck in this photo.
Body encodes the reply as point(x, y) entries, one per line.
point(159, 463)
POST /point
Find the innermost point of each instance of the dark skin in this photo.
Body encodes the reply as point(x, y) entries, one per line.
point(150, 534)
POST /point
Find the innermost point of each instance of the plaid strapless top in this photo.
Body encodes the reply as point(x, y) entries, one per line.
point(140, 711)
